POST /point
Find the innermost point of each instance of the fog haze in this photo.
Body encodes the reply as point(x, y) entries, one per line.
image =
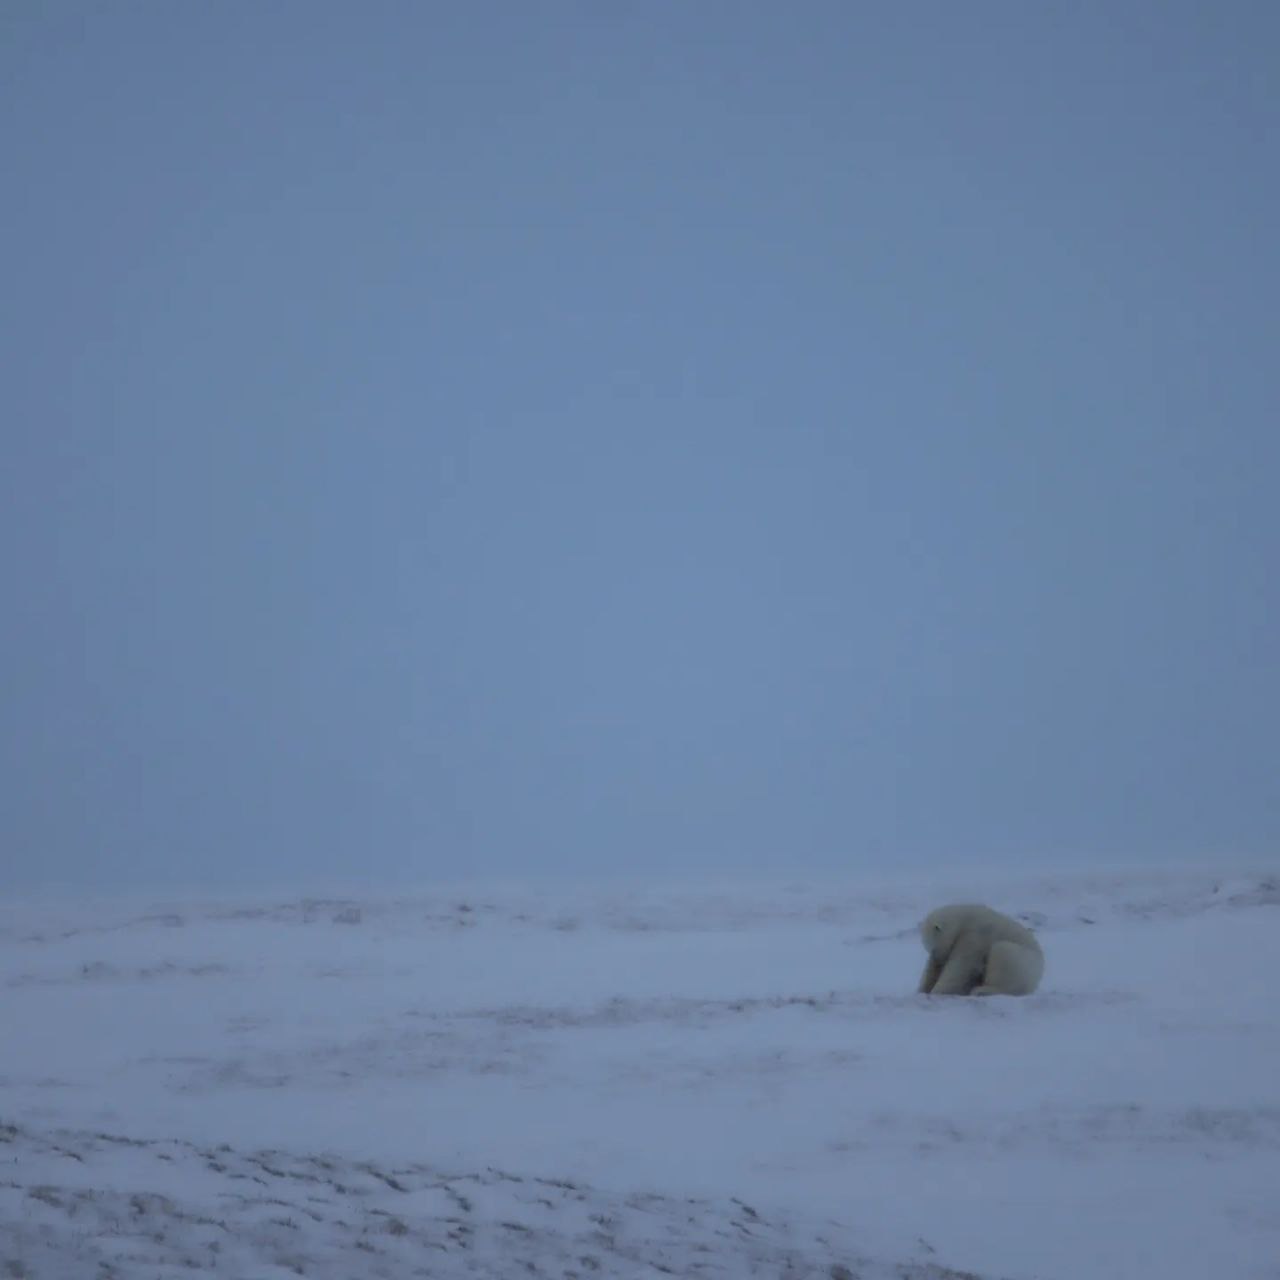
point(495, 439)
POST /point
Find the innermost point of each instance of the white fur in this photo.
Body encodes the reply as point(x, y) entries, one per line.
point(975, 951)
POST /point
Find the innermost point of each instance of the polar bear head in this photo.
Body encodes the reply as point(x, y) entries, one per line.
point(941, 927)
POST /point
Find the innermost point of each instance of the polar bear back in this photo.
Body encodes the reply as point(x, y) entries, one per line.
point(978, 920)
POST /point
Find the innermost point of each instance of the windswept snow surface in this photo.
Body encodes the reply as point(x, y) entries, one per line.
point(691, 1081)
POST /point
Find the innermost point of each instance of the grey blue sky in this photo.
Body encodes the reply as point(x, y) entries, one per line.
point(502, 438)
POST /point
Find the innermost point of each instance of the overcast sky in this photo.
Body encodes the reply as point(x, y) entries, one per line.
point(505, 438)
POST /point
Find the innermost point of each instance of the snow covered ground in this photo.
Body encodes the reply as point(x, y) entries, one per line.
point(690, 1081)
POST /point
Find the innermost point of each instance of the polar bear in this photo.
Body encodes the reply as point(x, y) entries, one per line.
point(975, 951)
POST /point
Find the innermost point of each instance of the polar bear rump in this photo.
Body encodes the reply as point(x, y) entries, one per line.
point(975, 951)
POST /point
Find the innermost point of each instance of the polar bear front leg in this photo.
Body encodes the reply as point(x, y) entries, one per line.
point(930, 976)
point(963, 970)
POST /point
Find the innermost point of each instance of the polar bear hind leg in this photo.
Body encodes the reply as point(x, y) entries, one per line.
point(1012, 970)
